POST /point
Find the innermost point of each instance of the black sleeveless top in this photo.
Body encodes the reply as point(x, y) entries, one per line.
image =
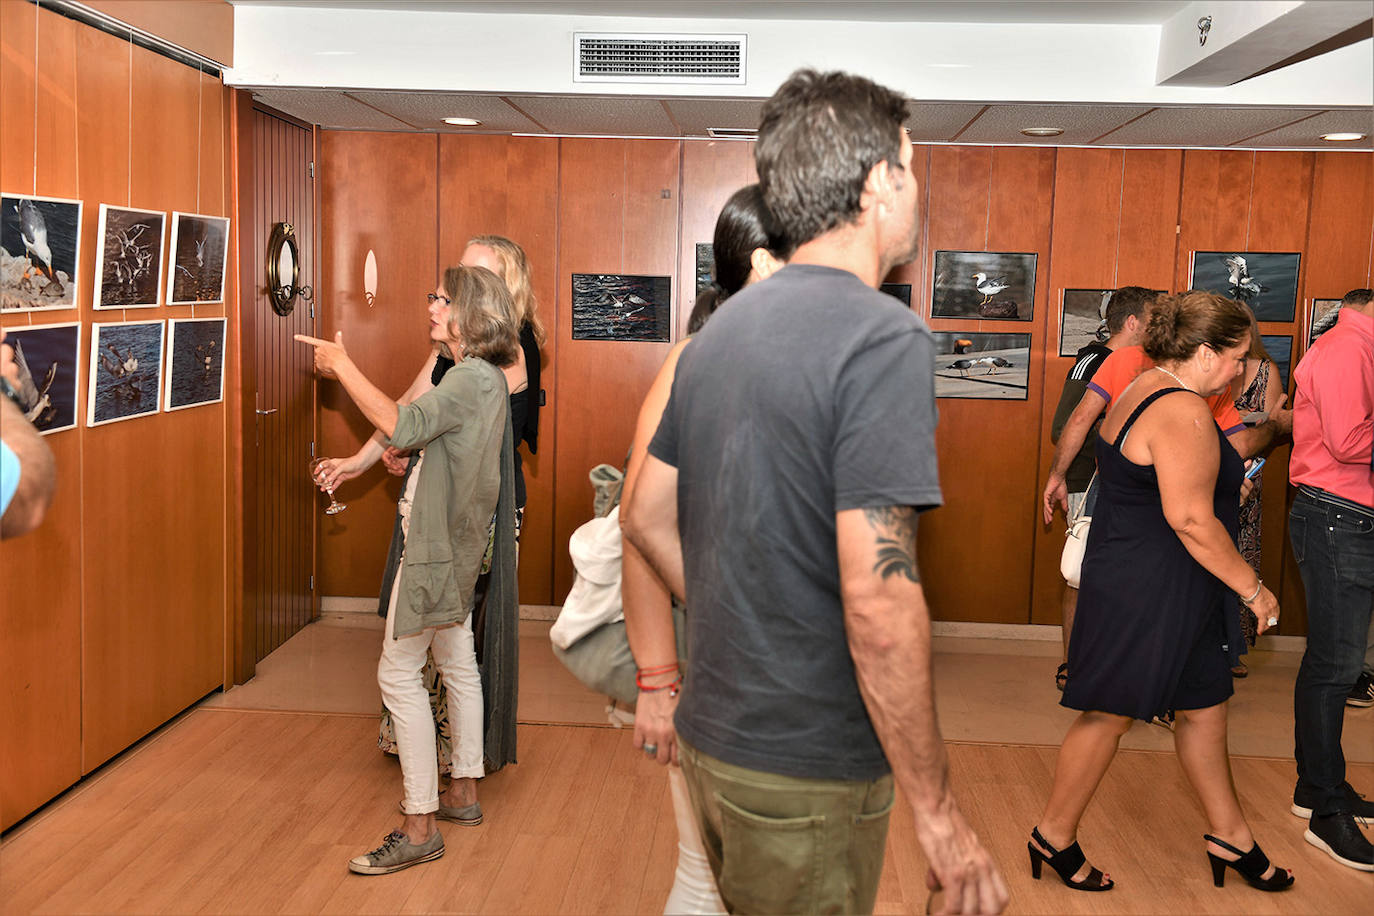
point(1154, 630)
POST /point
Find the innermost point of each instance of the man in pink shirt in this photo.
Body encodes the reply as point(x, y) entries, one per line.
point(1332, 529)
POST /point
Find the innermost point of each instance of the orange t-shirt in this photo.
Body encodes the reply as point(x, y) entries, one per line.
point(1125, 363)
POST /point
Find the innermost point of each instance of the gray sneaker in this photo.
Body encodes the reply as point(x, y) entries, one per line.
point(468, 815)
point(396, 853)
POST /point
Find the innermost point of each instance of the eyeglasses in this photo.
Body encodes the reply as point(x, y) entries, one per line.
point(435, 297)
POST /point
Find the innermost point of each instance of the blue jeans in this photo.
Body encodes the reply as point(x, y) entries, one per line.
point(1334, 547)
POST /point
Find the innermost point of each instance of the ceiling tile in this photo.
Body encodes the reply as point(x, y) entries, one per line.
point(635, 117)
point(695, 116)
point(1202, 126)
point(426, 110)
point(1308, 133)
point(935, 122)
point(1081, 123)
point(328, 108)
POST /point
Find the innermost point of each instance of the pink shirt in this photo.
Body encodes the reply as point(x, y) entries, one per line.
point(1333, 413)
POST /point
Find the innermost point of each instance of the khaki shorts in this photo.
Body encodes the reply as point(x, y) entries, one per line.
point(779, 844)
point(1076, 501)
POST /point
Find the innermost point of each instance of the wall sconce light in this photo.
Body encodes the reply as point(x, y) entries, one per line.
point(370, 278)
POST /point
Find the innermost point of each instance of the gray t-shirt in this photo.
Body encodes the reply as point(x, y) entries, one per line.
point(805, 395)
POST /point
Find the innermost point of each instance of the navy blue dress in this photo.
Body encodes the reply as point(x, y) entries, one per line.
point(1154, 630)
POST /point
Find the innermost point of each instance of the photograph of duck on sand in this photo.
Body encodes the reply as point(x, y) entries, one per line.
point(199, 247)
point(126, 371)
point(621, 307)
point(129, 275)
point(1265, 281)
point(984, 284)
point(1324, 315)
point(40, 245)
point(969, 365)
point(46, 356)
point(195, 362)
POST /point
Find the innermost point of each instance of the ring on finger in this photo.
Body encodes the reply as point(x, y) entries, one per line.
point(1273, 621)
point(651, 749)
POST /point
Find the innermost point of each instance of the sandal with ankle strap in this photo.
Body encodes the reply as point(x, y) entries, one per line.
point(1066, 863)
point(1061, 676)
point(1250, 866)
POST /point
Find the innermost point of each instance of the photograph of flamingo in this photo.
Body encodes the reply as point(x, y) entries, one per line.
point(126, 371)
point(200, 246)
point(40, 246)
point(130, 271)
point(46, 357)
point(984, 284)
point(1267, 281)
point(622, 307)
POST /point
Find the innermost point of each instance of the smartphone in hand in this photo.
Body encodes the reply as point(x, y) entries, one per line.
point(1255, 467)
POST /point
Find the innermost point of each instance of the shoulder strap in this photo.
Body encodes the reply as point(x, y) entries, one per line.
point(1140, 409)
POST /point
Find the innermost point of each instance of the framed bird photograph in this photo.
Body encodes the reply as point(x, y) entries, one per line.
point(46, 356)
point(899, 291)
point(195, 362)
point(1082, 319)
point(622, 307)
point(129, 275)
point(126, 371)
point(40, 250)
point(199, 250)
point(1267, 281)
point(1280, 350)
point(972, 365)
point(705, 265)
point(984, 284)
point(1324, 314)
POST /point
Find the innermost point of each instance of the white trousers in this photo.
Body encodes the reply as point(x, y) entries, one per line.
point(400, 675)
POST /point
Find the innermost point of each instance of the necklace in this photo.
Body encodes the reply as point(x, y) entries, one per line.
point(1175, 378)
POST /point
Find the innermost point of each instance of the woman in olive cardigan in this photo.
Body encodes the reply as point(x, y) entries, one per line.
point(449, 514)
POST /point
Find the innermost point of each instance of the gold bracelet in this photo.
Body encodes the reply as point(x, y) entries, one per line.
point(1259, 587)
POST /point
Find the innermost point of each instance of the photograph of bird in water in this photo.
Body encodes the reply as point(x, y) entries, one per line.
point(195, 362)
point(984, 284)
point(126, 371)
point(972, 365)
point(199, 247)
point(46, 356)
point(40, 243)
point(1266, 281)
point(130, 271)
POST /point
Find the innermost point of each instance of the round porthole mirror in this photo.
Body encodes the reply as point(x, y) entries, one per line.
point(283, 268)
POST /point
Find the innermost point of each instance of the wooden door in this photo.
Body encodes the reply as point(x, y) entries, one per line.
point(281, 508)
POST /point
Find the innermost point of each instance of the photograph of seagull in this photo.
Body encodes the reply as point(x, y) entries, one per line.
point(983, 284)
point(1265, 281)
point(126, 371)
point(988, 366)
point(39, 241)
point(46, 356)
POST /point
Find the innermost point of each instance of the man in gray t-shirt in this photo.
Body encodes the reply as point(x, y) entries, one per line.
point(779, 497)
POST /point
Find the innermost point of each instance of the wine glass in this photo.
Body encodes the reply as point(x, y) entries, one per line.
point(334, 507)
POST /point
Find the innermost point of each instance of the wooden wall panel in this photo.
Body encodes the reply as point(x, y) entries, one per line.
point(712, 170)
point(1147, 243)
point(616, 186)
point(508, 186)
point(394, 212)
point(116, 606)
point(994, 199)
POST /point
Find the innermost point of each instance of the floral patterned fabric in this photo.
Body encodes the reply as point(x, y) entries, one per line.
point(1252, 399)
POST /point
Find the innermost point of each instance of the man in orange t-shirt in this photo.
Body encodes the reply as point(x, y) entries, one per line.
point(1113, 377)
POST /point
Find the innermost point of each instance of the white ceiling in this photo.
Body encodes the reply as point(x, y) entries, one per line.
point(1148, 12)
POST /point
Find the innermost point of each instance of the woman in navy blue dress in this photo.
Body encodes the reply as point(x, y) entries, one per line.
point(1157, 618)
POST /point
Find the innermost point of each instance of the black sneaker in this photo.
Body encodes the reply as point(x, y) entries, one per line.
point(1338, 837)
point(1362, 694)
point(1356, 804)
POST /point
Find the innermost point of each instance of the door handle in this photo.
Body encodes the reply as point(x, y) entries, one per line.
point(263, 413)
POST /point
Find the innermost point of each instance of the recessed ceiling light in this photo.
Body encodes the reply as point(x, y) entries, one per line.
point(1042, 131)
point(1343, 136)
point(462, 122)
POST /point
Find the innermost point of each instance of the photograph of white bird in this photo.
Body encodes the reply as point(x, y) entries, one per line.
point(993, 363)
point(988, 287)
point(1243, 286)
point(33, 230)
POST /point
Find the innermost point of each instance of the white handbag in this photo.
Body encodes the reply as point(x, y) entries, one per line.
point(1076, 538)
point(595, 596)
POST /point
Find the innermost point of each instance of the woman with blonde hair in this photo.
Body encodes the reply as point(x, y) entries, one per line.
point(457, 491)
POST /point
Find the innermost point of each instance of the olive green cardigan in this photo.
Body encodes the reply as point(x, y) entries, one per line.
point(460, 425)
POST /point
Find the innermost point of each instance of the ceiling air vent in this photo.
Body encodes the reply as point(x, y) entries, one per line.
point(733, 133)
point(607, 57)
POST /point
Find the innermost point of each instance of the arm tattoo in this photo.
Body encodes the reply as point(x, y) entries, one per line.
point(895, 531)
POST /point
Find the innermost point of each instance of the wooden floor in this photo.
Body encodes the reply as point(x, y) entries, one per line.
point(233, 811)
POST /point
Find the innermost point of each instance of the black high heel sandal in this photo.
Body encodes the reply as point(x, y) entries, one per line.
point(1066, 863)
point(1250, 866)
point(1061, 677)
